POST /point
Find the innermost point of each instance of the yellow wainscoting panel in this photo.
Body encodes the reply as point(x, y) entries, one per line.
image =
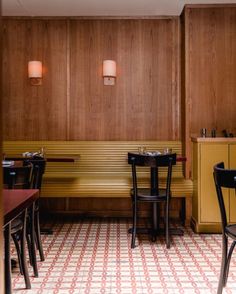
point(100, 168)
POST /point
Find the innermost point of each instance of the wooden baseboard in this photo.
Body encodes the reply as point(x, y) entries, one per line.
point(205, 227)
point(102, 207)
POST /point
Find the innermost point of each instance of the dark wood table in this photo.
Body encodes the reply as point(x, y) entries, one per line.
point(50, 158)
point(14, 203)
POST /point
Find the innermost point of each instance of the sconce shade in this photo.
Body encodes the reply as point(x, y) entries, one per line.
point(109, 68)
point(35, 69)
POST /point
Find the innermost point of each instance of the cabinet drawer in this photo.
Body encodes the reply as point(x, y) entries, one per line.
point(210, 154)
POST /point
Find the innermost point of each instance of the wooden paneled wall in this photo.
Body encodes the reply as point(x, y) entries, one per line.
point(209, 88)
point(35, 111)
point(73, 103)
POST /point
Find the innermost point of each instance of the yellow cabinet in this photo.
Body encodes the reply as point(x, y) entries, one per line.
point(205, 211)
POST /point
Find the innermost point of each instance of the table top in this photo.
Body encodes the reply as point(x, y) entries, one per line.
point(179, 158)
point(49, 158)
point(14, 163)
point(14, 201)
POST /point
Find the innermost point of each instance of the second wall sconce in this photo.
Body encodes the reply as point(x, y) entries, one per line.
point(35, 70)
point(109, 72)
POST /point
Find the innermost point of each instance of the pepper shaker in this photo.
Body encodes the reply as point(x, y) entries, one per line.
point(204, 132)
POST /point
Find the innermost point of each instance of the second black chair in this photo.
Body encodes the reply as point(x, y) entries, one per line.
point(19, 177)
point(227, 179)
point(154, 194)
point(39, 166)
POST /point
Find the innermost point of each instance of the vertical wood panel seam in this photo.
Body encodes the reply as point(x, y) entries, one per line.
point(178, 81)
point(68, 90)
point(187, 93)
point(175, 80)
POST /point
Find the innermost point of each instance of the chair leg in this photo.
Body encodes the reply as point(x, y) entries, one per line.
point(167, 226)
point(23, 255)
point(28, 245)
point(7, 258)
point(155, 221)
point(226, 272)
point(18, 251)
point(223, 263)
point(38, 236)
point(32, 241)
point(134, 228)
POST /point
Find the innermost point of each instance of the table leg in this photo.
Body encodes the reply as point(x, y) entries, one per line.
point(7, 260)
point(154, 188)
point(155, 224)
point(156, 216)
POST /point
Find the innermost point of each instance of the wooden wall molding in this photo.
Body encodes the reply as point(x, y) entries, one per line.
point(225, 5)
point(88, 17)
point(104, 207)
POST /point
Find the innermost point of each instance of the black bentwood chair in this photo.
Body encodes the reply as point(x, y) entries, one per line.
point(154, 194)
point(227, 179)
point(39, 166)
point(20, 178)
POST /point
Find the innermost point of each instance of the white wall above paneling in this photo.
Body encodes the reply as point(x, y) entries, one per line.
point(99, 7)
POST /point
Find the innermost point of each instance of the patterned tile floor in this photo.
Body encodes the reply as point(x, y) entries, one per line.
point(94, 256)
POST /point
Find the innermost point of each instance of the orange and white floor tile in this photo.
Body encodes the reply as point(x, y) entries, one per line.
point(94, 256)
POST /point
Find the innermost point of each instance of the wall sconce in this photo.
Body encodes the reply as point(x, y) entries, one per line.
point(109, 72)
point(35, 72)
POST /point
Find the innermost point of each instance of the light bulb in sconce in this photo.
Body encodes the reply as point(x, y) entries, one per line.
point(109, 72)
point(35, 74)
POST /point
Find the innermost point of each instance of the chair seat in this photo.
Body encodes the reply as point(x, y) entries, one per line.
point(144, 194)
point(231, 231)
point(16, 225)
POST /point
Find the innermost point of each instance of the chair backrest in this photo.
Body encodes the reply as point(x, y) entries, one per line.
point(17, 177)
point(225, 178)
point(39, 166)
point(153, 162)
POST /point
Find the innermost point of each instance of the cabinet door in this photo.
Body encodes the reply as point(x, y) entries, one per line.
point(210, 154)
point(232, 165)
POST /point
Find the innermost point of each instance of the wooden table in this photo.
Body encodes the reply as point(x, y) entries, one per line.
point(14, 203)
point(50, 158)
